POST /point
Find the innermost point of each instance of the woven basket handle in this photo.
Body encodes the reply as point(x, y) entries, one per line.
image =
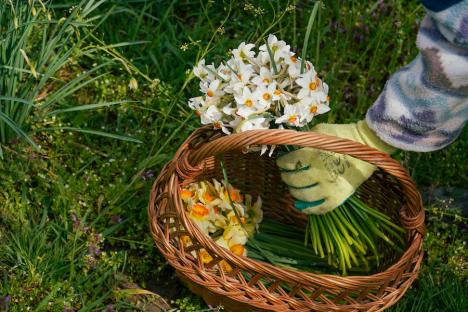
point(412, 215)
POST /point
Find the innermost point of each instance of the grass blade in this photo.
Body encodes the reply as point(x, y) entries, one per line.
point(10, 123)
point(95, 132)
point(306, 39)
point(88, 107)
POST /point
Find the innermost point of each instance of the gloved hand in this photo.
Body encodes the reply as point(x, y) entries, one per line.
point(322, 180)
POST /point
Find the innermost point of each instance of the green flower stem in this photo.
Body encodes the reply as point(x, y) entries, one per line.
point(272, 58)
point(323, 234)
point(314, 232)
point(370, 242)
point(392, 232)
point(360, 205)
point(339, 222)
point(320, 234)
point(342, 247)
point(346, 239)
point(346, 221)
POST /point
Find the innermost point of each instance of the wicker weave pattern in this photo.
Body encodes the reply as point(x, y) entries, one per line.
point(258, 286)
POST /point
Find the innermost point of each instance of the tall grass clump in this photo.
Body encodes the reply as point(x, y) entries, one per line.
point(35, 50)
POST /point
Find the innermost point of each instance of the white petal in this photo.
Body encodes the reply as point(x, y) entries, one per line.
point(322, 108)
point(269, 154)
point(303, 93)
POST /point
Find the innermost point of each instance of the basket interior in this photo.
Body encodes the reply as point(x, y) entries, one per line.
point(259, 176)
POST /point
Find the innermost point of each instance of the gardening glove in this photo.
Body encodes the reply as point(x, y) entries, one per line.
point(321, 180)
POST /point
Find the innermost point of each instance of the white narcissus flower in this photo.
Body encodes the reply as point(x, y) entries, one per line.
point(222, 242)
point(202, 72)
point(294, 65)
point(256, 212)
point(221, 125)
point(309, 83)
point(279, 48)
point(253, 123)
point(235, 234)
point(243, 52)
point(264, 78)
point(202, 216)
point(310, 108)
point(196, 103)
point(265, 94)
point(233, 64)
point(211, 115)
point(211, 208)
point(235, 122)
point(224, 72)
point(247, 103)
point(228, 110)
point(234, 195)
point(292, 116)
point(213, 89)
point(241, 78)
point(278, 94)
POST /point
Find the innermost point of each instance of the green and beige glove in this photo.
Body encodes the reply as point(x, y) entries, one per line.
point(319, 180)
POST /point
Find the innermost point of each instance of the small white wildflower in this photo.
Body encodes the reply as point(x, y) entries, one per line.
point(133, 84)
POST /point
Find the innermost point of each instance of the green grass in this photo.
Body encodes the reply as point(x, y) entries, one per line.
point(37, 49)
point(55, 202)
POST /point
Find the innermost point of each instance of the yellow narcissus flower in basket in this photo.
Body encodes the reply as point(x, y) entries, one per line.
point(237, 249)
point(255, 211)
point(186, 241)
point(186, 195)
point(205, 256)
point(207, 194)
point(202, 215)
point(235, 234)
point(222, 211)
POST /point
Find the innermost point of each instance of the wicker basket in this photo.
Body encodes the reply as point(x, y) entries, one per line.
point(257, 286)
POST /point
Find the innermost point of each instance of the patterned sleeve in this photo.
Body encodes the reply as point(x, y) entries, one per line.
point(424, 106)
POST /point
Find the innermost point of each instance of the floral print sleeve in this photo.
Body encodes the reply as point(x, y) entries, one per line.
point(424, 106)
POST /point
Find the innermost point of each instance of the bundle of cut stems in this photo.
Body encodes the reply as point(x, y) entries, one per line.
point(345, 240)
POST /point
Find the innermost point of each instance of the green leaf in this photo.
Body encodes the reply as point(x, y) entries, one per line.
point(95, 132)
point(272, 58)
point(88, 107)
point(17, 129)
point(306, 39)
point(15, 99)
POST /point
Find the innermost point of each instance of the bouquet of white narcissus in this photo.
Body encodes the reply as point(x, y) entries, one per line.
point(271, 88)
